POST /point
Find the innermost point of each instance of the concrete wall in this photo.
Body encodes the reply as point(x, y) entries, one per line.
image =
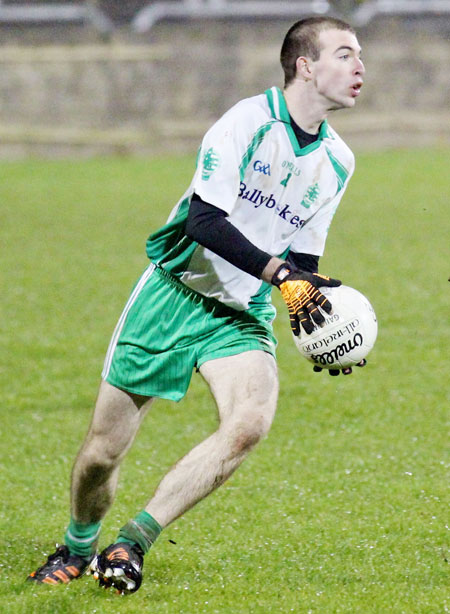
point(63, 94)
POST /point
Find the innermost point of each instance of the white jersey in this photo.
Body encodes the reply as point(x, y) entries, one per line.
point(280, 196)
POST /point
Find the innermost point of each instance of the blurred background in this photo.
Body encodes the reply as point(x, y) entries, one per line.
point(93, 77)
point(344, 508)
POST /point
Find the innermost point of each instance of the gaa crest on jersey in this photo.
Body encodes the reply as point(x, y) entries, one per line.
point(261, 167)
point(210, 162)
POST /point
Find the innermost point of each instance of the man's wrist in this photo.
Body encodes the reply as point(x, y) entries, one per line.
point(281, 274)
point(270, 269)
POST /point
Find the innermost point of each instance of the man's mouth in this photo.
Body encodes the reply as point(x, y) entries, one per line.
point(356, 88)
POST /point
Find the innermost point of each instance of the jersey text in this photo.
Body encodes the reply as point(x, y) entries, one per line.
point(258, 199)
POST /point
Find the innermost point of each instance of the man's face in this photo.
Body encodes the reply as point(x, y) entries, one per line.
point(338, 73)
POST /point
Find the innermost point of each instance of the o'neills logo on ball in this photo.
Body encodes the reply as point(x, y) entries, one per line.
point(332, 355)
point(325, 342)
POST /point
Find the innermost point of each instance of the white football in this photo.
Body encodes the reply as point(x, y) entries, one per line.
point(349, 332)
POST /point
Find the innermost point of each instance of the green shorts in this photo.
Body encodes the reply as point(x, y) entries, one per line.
point(166, 330)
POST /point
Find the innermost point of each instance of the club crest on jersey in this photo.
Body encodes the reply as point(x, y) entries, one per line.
point(210, 162)
point(311, 195)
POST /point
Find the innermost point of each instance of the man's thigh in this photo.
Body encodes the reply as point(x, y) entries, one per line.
point(243, 383)
point(116, 419)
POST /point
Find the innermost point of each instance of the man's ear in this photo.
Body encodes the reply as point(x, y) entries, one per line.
point(303, 65)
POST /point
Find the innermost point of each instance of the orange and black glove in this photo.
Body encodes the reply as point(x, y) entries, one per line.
point(300, 292)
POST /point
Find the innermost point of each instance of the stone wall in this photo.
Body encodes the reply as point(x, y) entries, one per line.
point(63, 94)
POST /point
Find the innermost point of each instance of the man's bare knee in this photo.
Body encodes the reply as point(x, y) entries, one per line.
point(114, 425)
point(96, 461)
point(244, 439)
point(248, 430)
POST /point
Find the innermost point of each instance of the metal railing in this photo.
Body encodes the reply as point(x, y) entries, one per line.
point(375, 8)
point(147, 17)
point(85, 12)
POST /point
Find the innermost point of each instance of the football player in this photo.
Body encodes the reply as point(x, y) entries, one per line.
point(269, 178)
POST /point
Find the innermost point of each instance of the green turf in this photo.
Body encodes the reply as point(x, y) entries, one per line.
point(343, 508)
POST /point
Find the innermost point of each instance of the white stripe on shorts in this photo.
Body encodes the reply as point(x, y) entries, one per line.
point(116, 334)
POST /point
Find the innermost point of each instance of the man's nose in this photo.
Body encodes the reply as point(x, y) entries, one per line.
point(360, 68)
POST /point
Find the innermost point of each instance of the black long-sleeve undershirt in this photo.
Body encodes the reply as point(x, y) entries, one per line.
point(208, 226)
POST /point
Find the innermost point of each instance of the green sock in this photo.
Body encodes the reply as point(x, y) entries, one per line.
point(142, 530)
point(81, 538)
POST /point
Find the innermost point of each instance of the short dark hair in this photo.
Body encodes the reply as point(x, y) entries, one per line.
point(302, 39)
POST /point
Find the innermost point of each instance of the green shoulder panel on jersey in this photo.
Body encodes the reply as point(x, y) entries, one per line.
point(256, 141)
point(341, 172)
point(169, 246)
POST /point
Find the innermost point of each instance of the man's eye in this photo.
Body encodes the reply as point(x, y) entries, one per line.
point(344, 57)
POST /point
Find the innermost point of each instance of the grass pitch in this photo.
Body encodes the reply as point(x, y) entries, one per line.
point(344, 508)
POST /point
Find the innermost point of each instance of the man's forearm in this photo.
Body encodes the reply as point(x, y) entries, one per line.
point(208, 225)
